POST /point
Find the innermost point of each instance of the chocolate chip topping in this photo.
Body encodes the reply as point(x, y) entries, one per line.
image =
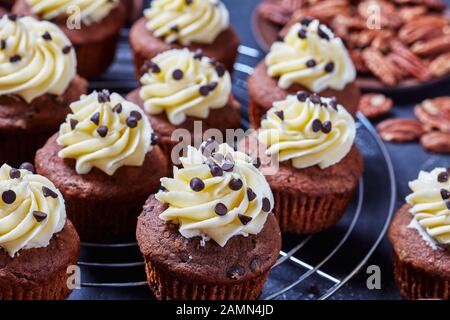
point(197, 184)
point(198, 54)
point(73, 123)
point(188, 2)
point(177, 74)
point(8, 196)
point(280, 114)
point(12, 16)
point(212, 85)
point(103, 96)
point(39, 216)
point(315, 98)
point(3, 44)
point(311, 63)
point(47, 192)
point(102, 131)
point(442, 177)
point(136, 114)
point(447, 203)
point(333, 103)
point(174, 28)
point(316, 125)
point(326, 127)
point(15, 58)
point(302, 34)
point(322, 33)
point(235, 272)
point(132, 122)
point(27, 166)
point(47, 36)
point(302, 96)
point(306, 21)
point(96, 118)
point(329, 67)
point(266, 205)
point(221, 209)
point(251, 195)
point(220, 69)
point(244, 219)
point(117, 108)
point(14, 173)
point(204, 91)
point(216, 170)
point(235, 184)
point(154, 139)
point(257, 162)
point(66, 49)
point(228, 166)
point(445, 194)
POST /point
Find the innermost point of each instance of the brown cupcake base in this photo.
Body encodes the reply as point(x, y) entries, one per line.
point(103, 208)
point(145, 46)
point(40, 273)
point(420, 271)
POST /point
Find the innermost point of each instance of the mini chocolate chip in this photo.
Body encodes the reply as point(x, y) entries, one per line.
point(235, 272)
point(154, 139)
point(221, 209)
point(73, 123)
point(177, 74)
point(66, 49)
point(266, 204)
point(302, 34)
point(235, 184)
point(251, 195)
point(8, 196)
point(27, 166)
point(155, 68)
point(96, 118)
point(447, 203)
point(228, 166)
point(302, 96)
point(188, 2)
point(14, 173)
point(326, 127)
point(212, 85)
point(445, 194)
point(174, 28)
point(305, 21)
point(329, 67)
point(39, 216)
point(216, 170)
point(280, 114)
point(3, 44)
point(333, 103)
point(244, 219)
point(118, 108)
point(103, 96)
point(102, 131)
point(12, 16)
point(136, 114)
point(198, 54)
point(442, 177)
point(315, 98)
point(197, 184)
point(47, 36)
point(311, 63)
point(322, 33)
point(15, 58)
point(220, 69)
point(257, 162)
point(49, 193)
point(204, 91)
point(256, 264)
point(316, 125)
point(132, 122)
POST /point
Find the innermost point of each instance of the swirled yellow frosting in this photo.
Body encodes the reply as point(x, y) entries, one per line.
point(430, 201)
point(35, 58)
point(187, 21)
point(216, 197)
point(310, 55)
point(32, 210)
point(309, 130)
point(182, 83)
point(88, 10)
point(106, 132)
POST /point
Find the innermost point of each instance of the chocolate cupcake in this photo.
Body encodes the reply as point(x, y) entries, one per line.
point(310, 58)
point(38, 82)
point(93, 27)
point(181, 88)
point(209, 233)
point(420, 237)
point(306, 149)
point(193, 24)
point(37, 243)
point(104, 163)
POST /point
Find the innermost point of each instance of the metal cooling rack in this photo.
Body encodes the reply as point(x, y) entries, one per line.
point(309, 267)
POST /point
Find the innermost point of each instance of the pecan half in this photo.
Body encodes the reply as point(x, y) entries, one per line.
point(432, 47)
point(358, 61)
point(326, 10)
point(440, 65)
point(423, 28)
point(436, 141)
point(374, 105)
point(279, 12)
point(409, 13)
point(400, 130)
point(407, 60)
point(379, 66)
point(434, 113)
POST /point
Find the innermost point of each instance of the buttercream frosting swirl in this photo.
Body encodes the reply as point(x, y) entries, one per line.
point(187, 21)
point(217, 197)
point(32, 210)
point(309, 130)
point(35, 58)
point(89, 11)
point(106, 132)
point(430, 201)
point(310, 55)
point(182, 83)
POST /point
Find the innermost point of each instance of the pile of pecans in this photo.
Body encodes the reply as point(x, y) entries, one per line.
point(391, 40)
point(432, 126)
